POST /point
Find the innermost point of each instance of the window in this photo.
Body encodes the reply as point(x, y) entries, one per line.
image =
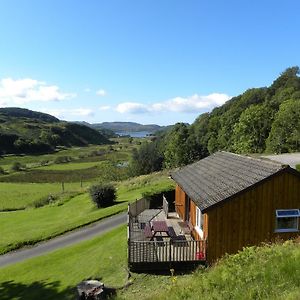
point(287, 220)
point(199, 222)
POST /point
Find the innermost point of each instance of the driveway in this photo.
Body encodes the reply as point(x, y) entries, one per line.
point(291, 159)
point(62, 241)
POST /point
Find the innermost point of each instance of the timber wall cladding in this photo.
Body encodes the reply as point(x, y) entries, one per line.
point(249, 219)
point(180, 201)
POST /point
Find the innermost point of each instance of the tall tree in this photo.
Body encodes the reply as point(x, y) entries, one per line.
point(285, 131)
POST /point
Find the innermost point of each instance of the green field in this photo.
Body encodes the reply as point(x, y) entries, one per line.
point(72, 166)
point(29, 226)
point(55, 276)
point(23, 195)
point(121, 150)
point(269, 272)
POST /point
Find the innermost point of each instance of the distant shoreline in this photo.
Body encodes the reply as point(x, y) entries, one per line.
point(137, 134)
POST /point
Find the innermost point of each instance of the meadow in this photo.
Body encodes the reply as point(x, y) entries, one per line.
point(25, 227)
point(46, 175)
point(41, 202)
point(14, 196)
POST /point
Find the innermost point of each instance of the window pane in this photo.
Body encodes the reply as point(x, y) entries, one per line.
point(287, 223)
point(288, 213)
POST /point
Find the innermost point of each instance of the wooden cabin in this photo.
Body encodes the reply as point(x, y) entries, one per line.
point(233, 201)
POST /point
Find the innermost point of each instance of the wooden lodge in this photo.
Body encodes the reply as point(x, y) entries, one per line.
point(233, 201)
point(223, 203)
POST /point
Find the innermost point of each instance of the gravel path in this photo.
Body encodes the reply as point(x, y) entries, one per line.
point(291, 159)
point(62, 241)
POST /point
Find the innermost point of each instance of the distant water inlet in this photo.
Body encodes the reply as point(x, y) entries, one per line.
point(137, 134)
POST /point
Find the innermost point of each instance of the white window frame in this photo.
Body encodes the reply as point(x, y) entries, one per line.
point(199, 221)
point(295, 214)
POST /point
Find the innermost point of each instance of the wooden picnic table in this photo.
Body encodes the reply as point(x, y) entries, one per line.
point(160, 227)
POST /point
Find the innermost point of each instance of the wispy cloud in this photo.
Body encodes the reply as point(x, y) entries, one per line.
point(20, 91)
point(105, 107)
point(101, 93)
point(64, 113)
point(193, 104)
point(132, 108)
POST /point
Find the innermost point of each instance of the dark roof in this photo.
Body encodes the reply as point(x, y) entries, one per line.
point(221, 176)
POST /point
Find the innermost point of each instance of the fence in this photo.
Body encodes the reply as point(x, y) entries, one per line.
point(166, 251)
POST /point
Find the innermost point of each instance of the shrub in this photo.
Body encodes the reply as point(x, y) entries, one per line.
point(17, 166)
point(2, 171)
point(45, 201)
point(62, 159)
point(103, 195)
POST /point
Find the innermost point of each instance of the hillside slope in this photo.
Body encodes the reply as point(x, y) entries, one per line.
point(260, 120)
point(26, 131)
point(268, 272)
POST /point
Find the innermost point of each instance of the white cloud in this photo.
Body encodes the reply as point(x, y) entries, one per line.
point(63, 113)
point(193, 104)
point(132, 108)
point(101, 93)
point(26, 90)
point(105, 107)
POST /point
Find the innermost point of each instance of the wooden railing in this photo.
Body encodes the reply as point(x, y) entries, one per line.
point(165, 206)
point(166, 251)
point(138, 206)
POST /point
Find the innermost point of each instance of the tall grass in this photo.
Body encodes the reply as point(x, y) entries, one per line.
point(269, 272)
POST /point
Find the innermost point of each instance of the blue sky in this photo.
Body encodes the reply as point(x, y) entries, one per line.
point(146, 61)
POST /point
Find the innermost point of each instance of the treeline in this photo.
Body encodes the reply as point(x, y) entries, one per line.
point(259, 120)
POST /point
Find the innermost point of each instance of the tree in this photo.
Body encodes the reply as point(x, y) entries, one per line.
point(252, 130)
point(176, 151)
point(146, 159)
point(285, 132)
point(103, 195)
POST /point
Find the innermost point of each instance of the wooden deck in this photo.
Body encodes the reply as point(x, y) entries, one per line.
point(178, 249)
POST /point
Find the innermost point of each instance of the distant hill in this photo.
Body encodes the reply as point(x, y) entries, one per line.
point(105, 131)
point(127, 126)
point(26, 131)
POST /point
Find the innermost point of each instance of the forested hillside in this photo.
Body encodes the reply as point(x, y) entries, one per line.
point(259, 120)
point(26, 131)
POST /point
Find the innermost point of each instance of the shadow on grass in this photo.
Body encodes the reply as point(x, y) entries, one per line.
point(36, 290)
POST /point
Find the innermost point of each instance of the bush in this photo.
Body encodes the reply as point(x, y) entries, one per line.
point(103, 195)
point(45, 201)
point(2, 171)
point(63, 159)
point(17, 166)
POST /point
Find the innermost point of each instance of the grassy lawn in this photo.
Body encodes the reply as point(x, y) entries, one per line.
point(298, 167)
point(22, 195)
point(19, 228)
point(72, 166)
point(55, 275)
